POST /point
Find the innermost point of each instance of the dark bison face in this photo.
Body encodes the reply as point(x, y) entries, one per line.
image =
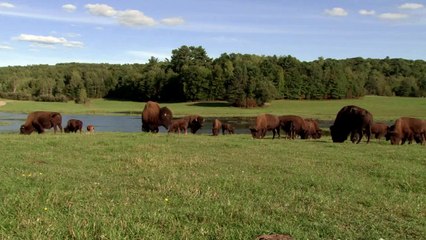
point(196, 124)
point(26, 129)
point(395, 139)
point(337, 135)
point(389, 131)
point(166, 117)
point(255, 133)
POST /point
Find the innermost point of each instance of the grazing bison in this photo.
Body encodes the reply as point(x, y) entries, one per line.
point(226, 127)
point(293, 125)
point(379, 130)
point(264, 123)
point(73, 125)
point(153, 116)
point(178, 125)
point(40, 120)
point(406, 128)
point(312, 129)
point(351, 120)
point(217, 125)
point(90, 128)
point(193, 122)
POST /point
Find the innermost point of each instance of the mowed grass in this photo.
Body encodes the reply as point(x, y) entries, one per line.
point(382, 108)
point(159, 186)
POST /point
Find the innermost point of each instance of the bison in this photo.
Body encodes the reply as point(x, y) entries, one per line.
point(41, 120)
point(379, 130)
point(406, 128)
point(194, 122)
point(312, 129)
point(217, 125)
point(178, 125)
point(293, 125)
point(73, 125)
point(153, 116)
point(264, 123)
point(351, 120)
point(90, 128)
point(226, 127)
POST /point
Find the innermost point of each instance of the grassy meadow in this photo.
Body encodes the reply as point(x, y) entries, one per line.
point(158, 186)
point(382, 108)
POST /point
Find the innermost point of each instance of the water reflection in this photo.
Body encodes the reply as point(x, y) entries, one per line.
point(10, 122)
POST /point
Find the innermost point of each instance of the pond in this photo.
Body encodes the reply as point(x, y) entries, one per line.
point(10, 122)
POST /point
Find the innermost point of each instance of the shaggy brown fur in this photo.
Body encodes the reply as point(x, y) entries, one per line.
point(217, 125)
point(40, 120)
point(153, 116)
point(73, 125)
point(351, 120)
point(264, 123)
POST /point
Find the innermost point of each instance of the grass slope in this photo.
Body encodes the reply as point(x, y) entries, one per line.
point(146, 186)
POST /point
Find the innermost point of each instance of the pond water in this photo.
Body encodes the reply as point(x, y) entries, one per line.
point(10, 122)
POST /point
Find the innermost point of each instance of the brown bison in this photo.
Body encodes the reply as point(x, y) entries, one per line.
point(193, 122)
point(73, 125)
point(264, 123)
point(40, 120)
point(90, 128)
point(178, 125)
point(153, 116)
point(217, 125)
point(312, 129)
point(351, 120)
point(379, 130)
point(293, 125)
point(406, 128)
point(226, 127)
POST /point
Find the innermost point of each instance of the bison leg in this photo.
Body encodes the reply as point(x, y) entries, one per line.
point(368, 133)
point(360, 136)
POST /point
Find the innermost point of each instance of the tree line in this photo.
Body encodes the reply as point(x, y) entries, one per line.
point(242, 79)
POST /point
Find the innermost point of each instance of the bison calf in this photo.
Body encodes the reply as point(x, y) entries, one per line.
point(73, 125)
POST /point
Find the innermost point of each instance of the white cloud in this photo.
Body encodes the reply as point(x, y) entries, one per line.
point(5, 47)
point(393, 16)
point(69, 7)
point(129, 17)
point(367, 12)
point(173, 21)
point(134, 18)
point(101, 10)
point(411, 6)
point(48, 41)
point(6, 5)
point(336, 12)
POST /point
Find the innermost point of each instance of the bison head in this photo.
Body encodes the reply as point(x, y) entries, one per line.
point(338, 135)
point(26, 129)
point(166, 117)
point(255, 133)
point(195, 123)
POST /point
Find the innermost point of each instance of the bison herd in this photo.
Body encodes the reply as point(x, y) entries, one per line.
point(350, 121)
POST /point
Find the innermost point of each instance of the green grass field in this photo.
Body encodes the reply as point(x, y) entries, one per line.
point(147, 186)
point(382, 108)
point(159, 186)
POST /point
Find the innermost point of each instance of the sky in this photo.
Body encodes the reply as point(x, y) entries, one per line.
point(132, 31)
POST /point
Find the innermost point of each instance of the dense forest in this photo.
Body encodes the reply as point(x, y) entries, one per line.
point(190, 75)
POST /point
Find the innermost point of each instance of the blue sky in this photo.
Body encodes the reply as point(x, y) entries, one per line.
point(103, 31)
